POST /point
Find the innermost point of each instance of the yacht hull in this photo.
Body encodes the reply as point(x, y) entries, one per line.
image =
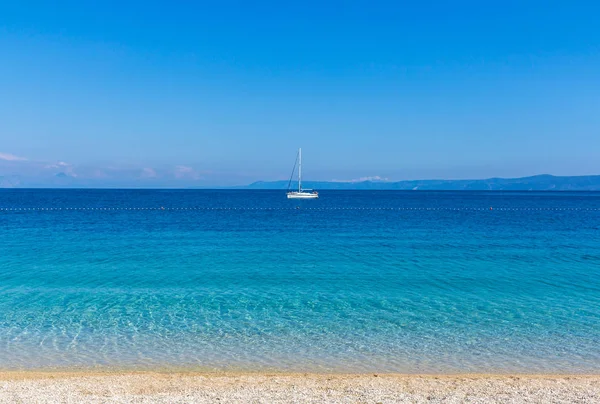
point(302, 195)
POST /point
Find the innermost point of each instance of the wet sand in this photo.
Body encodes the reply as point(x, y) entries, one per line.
point(190, 387)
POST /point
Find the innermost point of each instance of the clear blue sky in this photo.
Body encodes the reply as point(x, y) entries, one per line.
point(224, 92)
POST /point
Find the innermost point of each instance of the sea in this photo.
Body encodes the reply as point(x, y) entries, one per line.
point(356, 281)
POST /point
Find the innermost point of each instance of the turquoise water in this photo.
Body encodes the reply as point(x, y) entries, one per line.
point(354, 281)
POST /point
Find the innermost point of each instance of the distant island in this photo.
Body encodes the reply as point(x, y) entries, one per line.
point(534, 183)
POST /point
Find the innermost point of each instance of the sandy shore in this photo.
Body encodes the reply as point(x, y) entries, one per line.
point(150, 387)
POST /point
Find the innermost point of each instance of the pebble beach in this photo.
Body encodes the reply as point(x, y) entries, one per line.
point(190, 387)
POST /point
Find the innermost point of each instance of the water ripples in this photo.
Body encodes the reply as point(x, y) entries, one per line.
point(440, 286)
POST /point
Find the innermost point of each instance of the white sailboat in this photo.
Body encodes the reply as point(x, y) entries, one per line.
point(301, 193)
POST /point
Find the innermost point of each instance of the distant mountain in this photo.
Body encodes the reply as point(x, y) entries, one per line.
point(535, 183)
point(9, 181)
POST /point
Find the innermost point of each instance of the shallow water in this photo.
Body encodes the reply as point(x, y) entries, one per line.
point(354, 281)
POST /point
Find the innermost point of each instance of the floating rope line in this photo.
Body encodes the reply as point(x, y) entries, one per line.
point(203, 208)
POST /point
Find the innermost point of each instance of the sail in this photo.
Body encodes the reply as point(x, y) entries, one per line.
point(292, 175)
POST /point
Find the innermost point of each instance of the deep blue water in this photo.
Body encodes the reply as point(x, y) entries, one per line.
point(355, 281)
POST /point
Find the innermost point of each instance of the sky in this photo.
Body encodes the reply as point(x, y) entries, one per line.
point(157, 93)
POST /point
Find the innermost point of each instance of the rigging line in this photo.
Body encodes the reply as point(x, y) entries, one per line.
point(293, 171)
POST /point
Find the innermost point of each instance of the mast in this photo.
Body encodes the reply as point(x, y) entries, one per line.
point(300, 170)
